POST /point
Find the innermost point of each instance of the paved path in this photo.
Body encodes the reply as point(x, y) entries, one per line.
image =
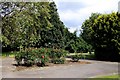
point(96, 68)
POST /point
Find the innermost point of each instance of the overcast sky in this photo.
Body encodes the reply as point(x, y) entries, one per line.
point(74, 12)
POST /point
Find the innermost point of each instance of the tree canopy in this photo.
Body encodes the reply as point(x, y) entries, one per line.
point(30, 24)
point(103, 32)
point(21, 23)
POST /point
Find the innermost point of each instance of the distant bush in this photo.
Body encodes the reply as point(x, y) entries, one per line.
point(39, 56)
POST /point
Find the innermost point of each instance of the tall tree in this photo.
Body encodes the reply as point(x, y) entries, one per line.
point(55, 36)
point(105, 36)
point(86, 27)
point(26, 20)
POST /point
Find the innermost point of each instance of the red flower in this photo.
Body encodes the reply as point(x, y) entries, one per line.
point(42, 56)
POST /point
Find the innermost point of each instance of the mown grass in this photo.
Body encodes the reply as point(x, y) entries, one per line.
point(110, 77)
point(8, 54)
point(83, 55)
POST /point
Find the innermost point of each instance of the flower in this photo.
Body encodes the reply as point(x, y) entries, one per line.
point(42, 56)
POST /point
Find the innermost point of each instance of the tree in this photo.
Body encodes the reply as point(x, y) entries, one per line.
point(30, 24)
point(86, 26)
point(36, 25)
point(105, 36)
point(54, 37)
point(83, 46)
point(22, 23)
point(71, 45)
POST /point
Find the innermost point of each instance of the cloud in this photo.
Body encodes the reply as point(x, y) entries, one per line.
point(70, 5)
point(74, 12)
point(72, 29)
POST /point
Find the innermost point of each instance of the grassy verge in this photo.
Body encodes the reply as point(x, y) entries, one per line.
point(110, 77)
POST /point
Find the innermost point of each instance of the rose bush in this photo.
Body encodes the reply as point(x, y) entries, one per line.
point(40, 56)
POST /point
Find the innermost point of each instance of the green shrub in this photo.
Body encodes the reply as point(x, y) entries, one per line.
point(57, 53)
point(58, 61)
point(31, 56)
point(57, 56)
point(39, 56)
point(18, 57)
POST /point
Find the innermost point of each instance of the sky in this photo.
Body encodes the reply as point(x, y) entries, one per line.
point(74, 12)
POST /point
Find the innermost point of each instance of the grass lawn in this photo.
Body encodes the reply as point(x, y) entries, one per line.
point(110, 77)
point(83, 55)
point(8, 54)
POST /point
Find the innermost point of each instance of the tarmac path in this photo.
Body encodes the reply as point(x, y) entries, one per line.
point(96, 68)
